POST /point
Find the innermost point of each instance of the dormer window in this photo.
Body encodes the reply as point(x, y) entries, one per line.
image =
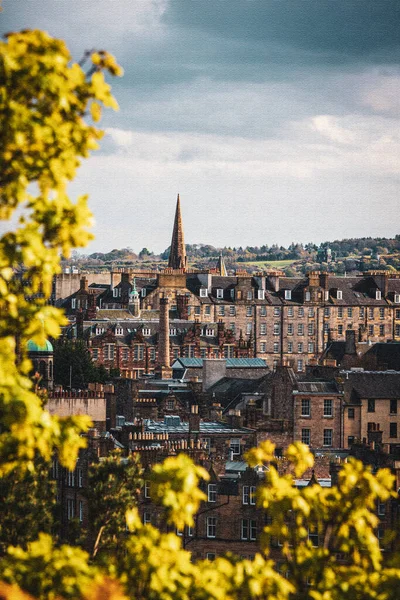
point(220, 293)
point(326, 295)
point(233, 294)
point(99, 330)
point(143, 292)
point(115, 292)
point(339, 294)
point(378, 295)
point(119, 331)
point(203, 292)
point(308, 296)
point(209, 332)
point(146, 331)
point(73, 303)
point(397, 298)
point(261, 294)
point(288, 294)
point(172, 331)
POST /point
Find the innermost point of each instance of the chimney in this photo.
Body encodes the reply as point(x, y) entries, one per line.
point(79, 324)
point(182, 304)
point(350, 344)
point(273, 278)
point(334, 468)
point(91, 309)
point(324, 280)
point(221, 332)
point(194, 419)
point(163, 342)
point(313, 278)
point(84, 284)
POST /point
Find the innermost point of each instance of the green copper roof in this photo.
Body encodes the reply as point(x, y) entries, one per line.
point(34, 347)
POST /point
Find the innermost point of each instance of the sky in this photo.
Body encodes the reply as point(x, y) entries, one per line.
point(276, 121)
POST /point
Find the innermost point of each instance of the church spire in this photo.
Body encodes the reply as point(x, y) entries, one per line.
point(177, 256)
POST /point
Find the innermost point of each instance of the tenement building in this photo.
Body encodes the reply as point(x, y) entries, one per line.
point(212, 314)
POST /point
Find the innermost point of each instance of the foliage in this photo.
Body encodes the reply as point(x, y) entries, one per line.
point(73, 364)
point(113, 487)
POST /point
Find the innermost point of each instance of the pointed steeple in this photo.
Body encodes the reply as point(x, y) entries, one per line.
point(221, 268)
point(177, 256)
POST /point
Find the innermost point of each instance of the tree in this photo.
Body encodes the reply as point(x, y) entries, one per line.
point(73, 365)
point(44, 101)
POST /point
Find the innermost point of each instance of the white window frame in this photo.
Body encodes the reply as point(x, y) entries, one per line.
point(220, 293)
point(211, 524)
point(378, 295)
point(203, 292)
point(325, 443)
point(339, 294)
point(261, 294)
point(288, 294)
point(212, 492)
point(328, 413)
point(146, 331)
point(73, 303)
point(235, 446)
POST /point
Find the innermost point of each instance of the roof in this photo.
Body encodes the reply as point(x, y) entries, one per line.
point(175, 425)
point(317, 387)
point(370, 384)
point(34, 347)
point(231, 363)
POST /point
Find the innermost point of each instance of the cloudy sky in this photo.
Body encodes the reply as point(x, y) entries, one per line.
point(275, 120)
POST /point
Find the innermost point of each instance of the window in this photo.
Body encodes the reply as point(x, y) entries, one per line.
point(152, 354)
point(290, 347)
point(327, 311)
point(311, 312)
point(208, 309)
point(340, 329)
point(221, 311)
point(381, 330)
point(80, 511)
point(124, 353)
point(328, 408)
point(397, 331)
point(261, 294)
point(232, 327)
point(172, 331)
point(277, 311)
point(290, 329)
point(170, 404)
point(203, 352)
point(99, 330)
point(339, 294)
point(381, 313)
point(371, 405)
point(300, 366)
point(246, 494)
point(146, 518)
point(277, 328)
point(350, 440)
point(197, 310)
point(209, 332)
point(397, 298)
point(300, 329)
point(378, 295)
point(248, 328)
point(290, 311)
point(381, 509)
point(80, 477)
point(73, 303)
point(235, 446)
point(179, 532)
point(370, 330)
point(301, 311)
point(263, 311)
point(306, 436)
point(393, 406)
point(71, 478)
point(232, 294)
point(263, 329)
point(70, 509)
point(95, 353)
point(203, 292)
point(350, 413)
point(146, 331)
point(305, 407)
point(115, 292)
point(210, 556)
point(275, 363)
point(311, 347)
point(249, 295)
point(362, 312)
point(212, 492)
point(190, 531)
point(276, 347)
point(147, 488)
point(393, 430)
point(311, 329)
point(211, 527)
point(119, 331)
point(232, 311)
point(308, 296)
point(263, 347)
point(300, 347)
point(313, 536)
point(138, 352)
point(220, 293)
point(371, 312)
point(249, 311)
point(328, 434)
point(340, 312)
point(288, 294)
point(248, 529)
point(350, 312)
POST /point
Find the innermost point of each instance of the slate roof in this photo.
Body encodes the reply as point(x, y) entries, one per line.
point(386, 354)
point(370, 384)
point(206, 428)
point(317, 387)
point(231, 363)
